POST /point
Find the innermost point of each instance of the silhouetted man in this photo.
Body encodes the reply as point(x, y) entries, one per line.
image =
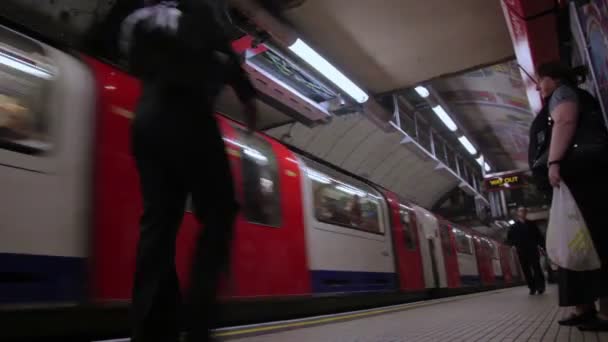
point(183, 60)
point(527, 238)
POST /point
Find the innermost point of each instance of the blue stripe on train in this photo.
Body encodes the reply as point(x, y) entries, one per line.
point(40, 278)
point(470, 280)
point(347, 281)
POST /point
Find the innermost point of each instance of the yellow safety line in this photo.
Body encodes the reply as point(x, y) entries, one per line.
point(339, 318)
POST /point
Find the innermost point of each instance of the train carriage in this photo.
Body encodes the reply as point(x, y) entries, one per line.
point(307, 230)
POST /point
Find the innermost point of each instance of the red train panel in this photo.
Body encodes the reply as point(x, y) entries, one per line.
point(505, 256)
point(267, 261)
point(484, 261)
point(406, 245)
point(448, 242)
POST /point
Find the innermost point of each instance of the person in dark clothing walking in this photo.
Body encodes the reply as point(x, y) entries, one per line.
point(183, 60)
point(527, 238)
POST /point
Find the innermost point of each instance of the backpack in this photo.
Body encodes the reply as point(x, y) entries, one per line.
point(163, 43)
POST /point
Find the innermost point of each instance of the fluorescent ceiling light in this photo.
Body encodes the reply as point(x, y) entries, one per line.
point(511, 222)
point(467, 144)
point(326, 69)
point(422, 91)
point(445, 118)
point(22, 66)
point(483, 163)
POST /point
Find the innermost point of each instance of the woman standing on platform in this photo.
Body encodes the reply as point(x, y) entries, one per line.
point(572, 116)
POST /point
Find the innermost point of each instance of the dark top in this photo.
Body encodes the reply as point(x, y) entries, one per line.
point(190, 64)
point(526, 237)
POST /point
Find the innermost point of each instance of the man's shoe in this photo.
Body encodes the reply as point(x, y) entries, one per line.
point(582, 319)
point(541, 291)
point(532, 292)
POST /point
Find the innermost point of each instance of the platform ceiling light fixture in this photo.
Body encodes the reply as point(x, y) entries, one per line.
point(310, 56)
point(480, 161)
point(445, 118)
point(487, 167)
point(422, 91)
point(467, 145)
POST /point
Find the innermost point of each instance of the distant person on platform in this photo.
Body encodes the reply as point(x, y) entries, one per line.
point(528, 239)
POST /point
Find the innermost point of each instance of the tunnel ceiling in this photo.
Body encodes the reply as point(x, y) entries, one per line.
point(460, 48)
point(391, 44)
point(492, 104)
point(388, 46)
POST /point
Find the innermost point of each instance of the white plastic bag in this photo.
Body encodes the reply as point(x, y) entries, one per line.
point(569, 244)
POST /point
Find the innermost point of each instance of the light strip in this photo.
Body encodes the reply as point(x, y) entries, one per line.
point(317, 61)
point(255, 154)
point(422, 91)
point(351, 191)
point(21, 66)
point(445, 118)
point(467, 145)
point(317, 177)
point(481, 161)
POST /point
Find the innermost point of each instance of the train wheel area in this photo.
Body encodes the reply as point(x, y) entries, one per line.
point(499, 315)
point(87, 322)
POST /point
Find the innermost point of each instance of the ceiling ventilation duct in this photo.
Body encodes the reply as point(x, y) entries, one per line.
point(262, 16)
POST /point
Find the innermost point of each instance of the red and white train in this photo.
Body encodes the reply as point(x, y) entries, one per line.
point(70, 207)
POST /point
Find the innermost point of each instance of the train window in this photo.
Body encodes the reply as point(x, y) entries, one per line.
point(408, 230)
point(25, 79)
point(261, 196)
point(345, 205)
point(463, 241)
point(445, 239)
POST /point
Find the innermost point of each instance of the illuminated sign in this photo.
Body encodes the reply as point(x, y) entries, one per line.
point(505, 182)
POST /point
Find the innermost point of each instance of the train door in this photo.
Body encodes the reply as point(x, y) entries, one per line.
point(430, 249)
point(483, 261)
point(270, 227)
point(406, 245)
point(467, 261)
point(496, 265)
point(449, 251)
point(514, 263)
point(504, 263)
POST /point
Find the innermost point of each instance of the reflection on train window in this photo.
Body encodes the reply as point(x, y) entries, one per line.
point(261, 196)
point(408, 230)
point(25, 78)
point(494, 249)
point(445, 239)
point(345, 205)
point(487, 247)
point(463, 241)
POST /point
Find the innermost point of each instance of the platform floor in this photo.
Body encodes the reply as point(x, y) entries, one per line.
point(503, 315)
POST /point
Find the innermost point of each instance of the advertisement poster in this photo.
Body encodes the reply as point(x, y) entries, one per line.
point(594, 21)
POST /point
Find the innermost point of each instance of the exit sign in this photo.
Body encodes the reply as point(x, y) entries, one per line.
point(505, 182)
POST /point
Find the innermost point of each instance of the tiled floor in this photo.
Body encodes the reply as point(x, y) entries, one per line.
point(506, 315)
